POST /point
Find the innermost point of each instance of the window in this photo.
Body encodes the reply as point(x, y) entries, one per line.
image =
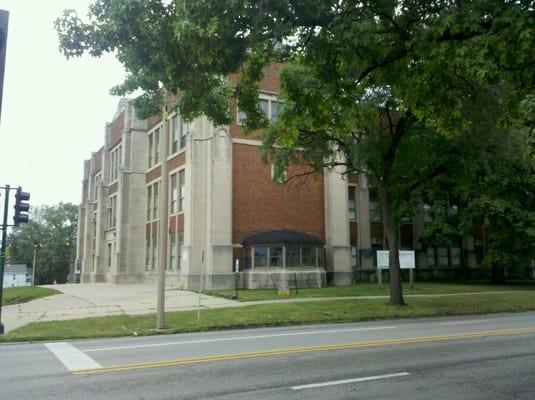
point(275, 257)
point(149, 200)
point(428, 214)
point(112, 212)
point(430, 251)
point(173, 194)
point(442, 256)
point(292, 256)
point(354, 256)
point(308, 256)
point(148, 256)
point(152, 201)
point(274, 113)
point(115, 162)
point(157, 146)
point(375, 207)
point(352, 204)
point(281, 179)
point(182, 186)
point(154, 147)
point(183, 133)
point(268, 105)
point(151, 149)
point(174, 134)
point(172, 252)
point(260, 256)
point(155, 200)
point(456, 259)
point(179, 249)
point(178, 134)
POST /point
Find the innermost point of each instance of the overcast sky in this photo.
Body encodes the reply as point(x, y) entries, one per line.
point(53, 110)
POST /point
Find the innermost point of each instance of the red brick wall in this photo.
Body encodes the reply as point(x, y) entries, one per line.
point(117, 127)
point(259, 204)
point(98, 160)
point(176, 161)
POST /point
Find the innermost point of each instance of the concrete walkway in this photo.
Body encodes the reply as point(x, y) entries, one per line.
point(102, 299)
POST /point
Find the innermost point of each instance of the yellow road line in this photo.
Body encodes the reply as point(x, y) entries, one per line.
point(355, 345)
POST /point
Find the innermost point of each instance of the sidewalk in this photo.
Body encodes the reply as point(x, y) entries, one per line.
point(103, 299)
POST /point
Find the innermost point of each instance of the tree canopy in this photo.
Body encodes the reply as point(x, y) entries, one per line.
point(387, 87)
point(52, 232)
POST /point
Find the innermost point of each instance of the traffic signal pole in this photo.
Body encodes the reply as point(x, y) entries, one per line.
point(3, 251)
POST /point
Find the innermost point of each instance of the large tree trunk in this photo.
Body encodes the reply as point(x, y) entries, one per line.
point(390, 228)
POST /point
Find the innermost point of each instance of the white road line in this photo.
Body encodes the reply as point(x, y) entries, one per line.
point(228, 339)
point(355, 380)
point(473, 321)
point(72, 358)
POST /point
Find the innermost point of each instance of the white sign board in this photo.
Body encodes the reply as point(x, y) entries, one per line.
point(406, 259)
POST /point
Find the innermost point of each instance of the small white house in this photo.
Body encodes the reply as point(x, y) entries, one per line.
point(16, 275)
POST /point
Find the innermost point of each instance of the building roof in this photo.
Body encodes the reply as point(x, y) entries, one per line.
point(281, 237)
point(15, 269)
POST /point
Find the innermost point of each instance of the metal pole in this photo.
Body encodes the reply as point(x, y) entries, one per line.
point(201, 281)
point(33, 268)
point(3, 252)
point(164, 222)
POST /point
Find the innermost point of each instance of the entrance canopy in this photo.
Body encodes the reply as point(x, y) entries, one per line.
point(281, 237)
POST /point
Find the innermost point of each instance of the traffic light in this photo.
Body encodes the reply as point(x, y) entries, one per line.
point(21, 208)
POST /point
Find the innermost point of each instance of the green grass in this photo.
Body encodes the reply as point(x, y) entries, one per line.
point(371, 289)
point(17, 295)
point(277, 314)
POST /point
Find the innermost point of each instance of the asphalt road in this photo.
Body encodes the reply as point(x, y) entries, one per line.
point(480, 357)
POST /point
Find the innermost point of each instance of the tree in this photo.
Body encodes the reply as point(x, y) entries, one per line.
point(52, 232)
point(375, 74)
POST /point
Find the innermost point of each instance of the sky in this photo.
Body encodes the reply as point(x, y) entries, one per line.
point(54, 110)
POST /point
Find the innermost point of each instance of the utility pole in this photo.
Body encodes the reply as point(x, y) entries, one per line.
point(33, 267)
point(164, 225)
point(3, 252)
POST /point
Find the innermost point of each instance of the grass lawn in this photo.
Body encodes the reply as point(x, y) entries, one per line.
point(16, 295)
point(275, 314)
point(372, 289)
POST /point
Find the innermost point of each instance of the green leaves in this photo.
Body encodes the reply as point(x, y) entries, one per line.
point(52, 232)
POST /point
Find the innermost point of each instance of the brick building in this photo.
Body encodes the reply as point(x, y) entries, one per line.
point(199, 198)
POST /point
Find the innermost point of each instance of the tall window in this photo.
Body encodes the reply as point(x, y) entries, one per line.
point(182, 186)
point(112, 212)
point(352, 203)
point(151, 149)
point(154, 147)
point(172, 252)
point(375, 207)
point(115, 162)
point(174, 134)
point(173, 195)
point(180, 239)
point(183, 133)
point(157, 146)
point(149, 202)
point(155, 200)
point(269, 105)
point(148, 256)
